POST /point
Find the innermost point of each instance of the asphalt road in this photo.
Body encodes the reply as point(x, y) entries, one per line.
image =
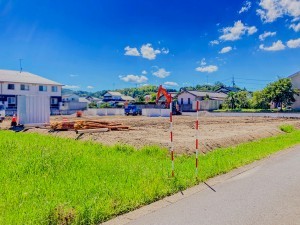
point(265, 195)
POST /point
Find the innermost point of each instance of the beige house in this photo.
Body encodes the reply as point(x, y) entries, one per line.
point(296, 84)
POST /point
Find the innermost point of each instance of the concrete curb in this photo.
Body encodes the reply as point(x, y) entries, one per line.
point(133, 215)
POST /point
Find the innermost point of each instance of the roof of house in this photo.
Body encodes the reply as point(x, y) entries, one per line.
point(294, 75)
point(127, 98)
point(83, 99)
point(24, 77)
point(229, 89)
point(114, 93)
point(69, 95)
point(205, 93)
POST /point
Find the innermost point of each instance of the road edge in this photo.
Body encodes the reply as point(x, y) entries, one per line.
point(169, 200)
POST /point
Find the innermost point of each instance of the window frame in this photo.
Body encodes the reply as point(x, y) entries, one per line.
point(9, 102)
point(24, 85)
point(54, 88)
point(42, 88)
point(10, 85)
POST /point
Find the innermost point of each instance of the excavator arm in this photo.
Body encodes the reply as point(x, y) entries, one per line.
point(162, 91)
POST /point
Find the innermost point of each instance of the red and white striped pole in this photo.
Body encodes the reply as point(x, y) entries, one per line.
point(171, 138)
point(197, 134)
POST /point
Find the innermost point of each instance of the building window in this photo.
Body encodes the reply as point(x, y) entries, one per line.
point(11, 87)
point(181, 101)
point(42, 88)
point(24, 87)
point(54, 88)
point(11, 100)
point(189, 100)
point(54, 101)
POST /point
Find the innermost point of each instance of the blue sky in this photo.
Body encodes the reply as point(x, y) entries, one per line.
point(108, 44)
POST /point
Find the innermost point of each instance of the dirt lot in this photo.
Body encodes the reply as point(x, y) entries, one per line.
point(214, 131)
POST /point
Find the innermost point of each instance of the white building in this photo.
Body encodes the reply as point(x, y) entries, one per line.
point(16, 83)
point(72, 102)
point(209, 100)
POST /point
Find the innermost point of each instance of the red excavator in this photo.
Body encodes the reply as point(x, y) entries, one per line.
point(175, 107)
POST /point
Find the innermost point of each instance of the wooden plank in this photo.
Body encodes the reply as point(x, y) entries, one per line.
point(92, 130)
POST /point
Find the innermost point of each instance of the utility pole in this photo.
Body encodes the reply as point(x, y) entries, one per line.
point(233, 82)
point(20, 61)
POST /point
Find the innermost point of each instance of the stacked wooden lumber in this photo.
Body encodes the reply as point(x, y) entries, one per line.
point(65, 125)
point(89, 124)
point(94, 124)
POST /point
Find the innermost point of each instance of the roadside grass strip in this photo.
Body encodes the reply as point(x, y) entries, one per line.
point(51, 180)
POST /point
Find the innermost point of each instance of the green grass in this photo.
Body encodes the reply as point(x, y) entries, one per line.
point(50, 180)
point(287, 128)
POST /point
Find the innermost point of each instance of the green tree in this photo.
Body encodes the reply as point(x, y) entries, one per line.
point(242, 99)
point(259, 100)
point(281, 92)
point(230, 101)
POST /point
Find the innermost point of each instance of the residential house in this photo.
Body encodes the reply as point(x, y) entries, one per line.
point(295, 78)
point(226, 90)
point(187, 99)
point(116, 97)
point(71, 103)
point(16, 83)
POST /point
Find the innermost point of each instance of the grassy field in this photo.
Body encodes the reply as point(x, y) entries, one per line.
point(49, 180)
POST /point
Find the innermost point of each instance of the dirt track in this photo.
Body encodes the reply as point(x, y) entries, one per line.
point(214, 131)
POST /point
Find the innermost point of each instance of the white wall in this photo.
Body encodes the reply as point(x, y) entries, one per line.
point(70, 98)
point(33, 109)
point(185, 97)
point(33, 90)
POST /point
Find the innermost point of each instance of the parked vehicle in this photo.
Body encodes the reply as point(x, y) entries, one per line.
point(2, 112)
point(132, 110)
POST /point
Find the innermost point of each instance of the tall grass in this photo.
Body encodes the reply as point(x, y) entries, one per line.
point(50, 180)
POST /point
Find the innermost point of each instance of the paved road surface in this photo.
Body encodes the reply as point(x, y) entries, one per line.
point(265, 195)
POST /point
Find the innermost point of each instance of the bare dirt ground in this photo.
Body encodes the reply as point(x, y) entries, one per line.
point(214, 131)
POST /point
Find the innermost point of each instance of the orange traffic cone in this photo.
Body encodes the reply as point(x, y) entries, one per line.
point(14, 121)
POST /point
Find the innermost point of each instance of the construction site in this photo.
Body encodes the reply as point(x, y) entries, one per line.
point(139, 131)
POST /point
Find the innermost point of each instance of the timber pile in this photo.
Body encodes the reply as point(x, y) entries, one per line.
point(93, 124)
point(89, 124)
point(65, 125)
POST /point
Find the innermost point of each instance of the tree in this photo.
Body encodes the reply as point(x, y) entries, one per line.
point(281, 92)
point(230, 101)
point(259, 100)
point(242, 99)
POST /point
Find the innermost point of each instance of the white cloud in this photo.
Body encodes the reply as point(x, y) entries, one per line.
point(271, 10)
point(165, 51)
point(236, 32)
point(295, 27)
point(246, 7)
point(144, 72)
point(73, 75)
point(252, 30)
point(134, 78)
point(148, 52)
point(293, 43)
point(207, 69)
point(131, 51)
point(266, 34)
point(214, 42)
point(276, 46)
point(161, 73)
point(225, 50)
point(90, 87)
point(203, 62)
point(170, 83)
point(71, 87)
